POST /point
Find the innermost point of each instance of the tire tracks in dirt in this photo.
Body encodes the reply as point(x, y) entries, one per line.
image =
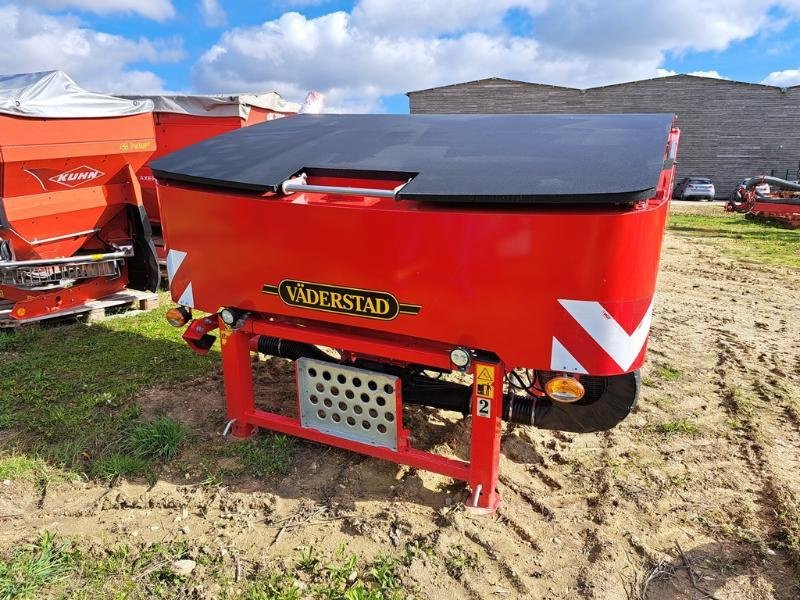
point(764, 413)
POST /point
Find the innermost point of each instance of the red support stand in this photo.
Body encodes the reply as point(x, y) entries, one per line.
point(484, 454)
point(481, 472)
point(238, 373)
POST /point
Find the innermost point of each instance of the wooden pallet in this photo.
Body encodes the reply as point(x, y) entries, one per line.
point(96, 310)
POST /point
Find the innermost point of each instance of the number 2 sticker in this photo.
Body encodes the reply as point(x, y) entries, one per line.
point(484, 407)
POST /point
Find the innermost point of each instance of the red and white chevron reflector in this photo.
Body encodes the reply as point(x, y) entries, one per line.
point(601, 338)
point(178, 284)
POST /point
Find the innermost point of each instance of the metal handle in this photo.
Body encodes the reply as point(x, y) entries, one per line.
point(298, 184)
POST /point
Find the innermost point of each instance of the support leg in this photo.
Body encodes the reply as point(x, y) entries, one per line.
point(484, 458)
point(238, 374)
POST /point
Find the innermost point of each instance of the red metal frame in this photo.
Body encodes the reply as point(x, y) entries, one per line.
point(481, 472)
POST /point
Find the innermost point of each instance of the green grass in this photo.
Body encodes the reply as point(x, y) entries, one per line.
point(35, 566)
point(68, 391)
point(679, 427)
point(57, 568)
point(116, 464)
point(459, 560)
point(158, 439)
point(266, 454)
point(741, 238)
point(20, 467)
point(667, 373)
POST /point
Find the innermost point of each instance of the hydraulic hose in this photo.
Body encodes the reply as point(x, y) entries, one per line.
point(273, 346)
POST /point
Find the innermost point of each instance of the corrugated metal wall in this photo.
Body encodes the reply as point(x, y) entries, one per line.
point(730, 130)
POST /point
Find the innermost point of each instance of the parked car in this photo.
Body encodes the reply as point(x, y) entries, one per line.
point(699, 188)
point(762, 189)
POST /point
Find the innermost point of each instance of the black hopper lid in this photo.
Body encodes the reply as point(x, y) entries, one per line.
point(590, 158)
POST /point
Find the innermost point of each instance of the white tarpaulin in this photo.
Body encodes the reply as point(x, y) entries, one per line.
point(53, 95)
point(219, 105)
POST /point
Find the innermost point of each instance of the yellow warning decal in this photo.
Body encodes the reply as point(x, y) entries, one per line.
point(484, 380)
point(224, 333)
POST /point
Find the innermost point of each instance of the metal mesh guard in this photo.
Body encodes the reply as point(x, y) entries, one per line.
point(350, 403)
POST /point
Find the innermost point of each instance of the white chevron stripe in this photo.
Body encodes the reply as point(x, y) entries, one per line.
point(174, 261)
point(187, 297)
point(609, 334)
point(562, 360)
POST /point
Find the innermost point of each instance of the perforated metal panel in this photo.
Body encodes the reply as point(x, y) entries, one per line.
point(350, 403)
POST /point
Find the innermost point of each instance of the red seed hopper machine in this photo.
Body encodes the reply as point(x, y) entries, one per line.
point(518, 250)
point(182, 120)
point(72, 224)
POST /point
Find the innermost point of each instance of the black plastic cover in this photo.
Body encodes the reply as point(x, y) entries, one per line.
point(449, 158)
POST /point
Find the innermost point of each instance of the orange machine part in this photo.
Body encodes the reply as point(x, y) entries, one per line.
point(65, 188)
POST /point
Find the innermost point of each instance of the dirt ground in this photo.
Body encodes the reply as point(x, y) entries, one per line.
point(693, 496)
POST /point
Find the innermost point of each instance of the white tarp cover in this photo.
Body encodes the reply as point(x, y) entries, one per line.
point(53, 95)
point(219, 105)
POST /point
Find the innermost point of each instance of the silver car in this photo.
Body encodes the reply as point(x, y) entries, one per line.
point(699, 188)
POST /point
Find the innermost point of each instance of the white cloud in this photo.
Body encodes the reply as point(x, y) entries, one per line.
point(384, 47)
point(711, 74)
point(158, 10)
point(213, 14)
point(785, 78)
point(34, 41)
point(417, 17)
point(670, 72)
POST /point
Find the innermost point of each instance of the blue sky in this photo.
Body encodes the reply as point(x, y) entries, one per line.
point(364, 55)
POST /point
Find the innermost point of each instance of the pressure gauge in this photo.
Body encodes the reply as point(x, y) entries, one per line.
point(460, 358)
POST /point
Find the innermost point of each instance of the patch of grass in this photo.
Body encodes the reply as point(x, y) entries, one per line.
point(20, 467)
point(458, 560)
point(340, 577)
point(268, 454)
point(742, 238)
point(680, 426)
point(667, 373)
point(117, 464)
point(158, 439)
point(384, 572)
point(35, 566)
point(58, 569)
point(275, 585)
point(67, 390)
point(27, 467)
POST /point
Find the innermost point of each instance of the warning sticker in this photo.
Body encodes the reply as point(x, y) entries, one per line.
point(484, 381)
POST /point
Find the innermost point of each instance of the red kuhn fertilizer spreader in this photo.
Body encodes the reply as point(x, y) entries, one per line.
point(72, 225)
point(519, 250)
point(769, 199)
point(187, 119)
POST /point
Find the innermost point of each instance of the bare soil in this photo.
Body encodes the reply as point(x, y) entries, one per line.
point(693, 496)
